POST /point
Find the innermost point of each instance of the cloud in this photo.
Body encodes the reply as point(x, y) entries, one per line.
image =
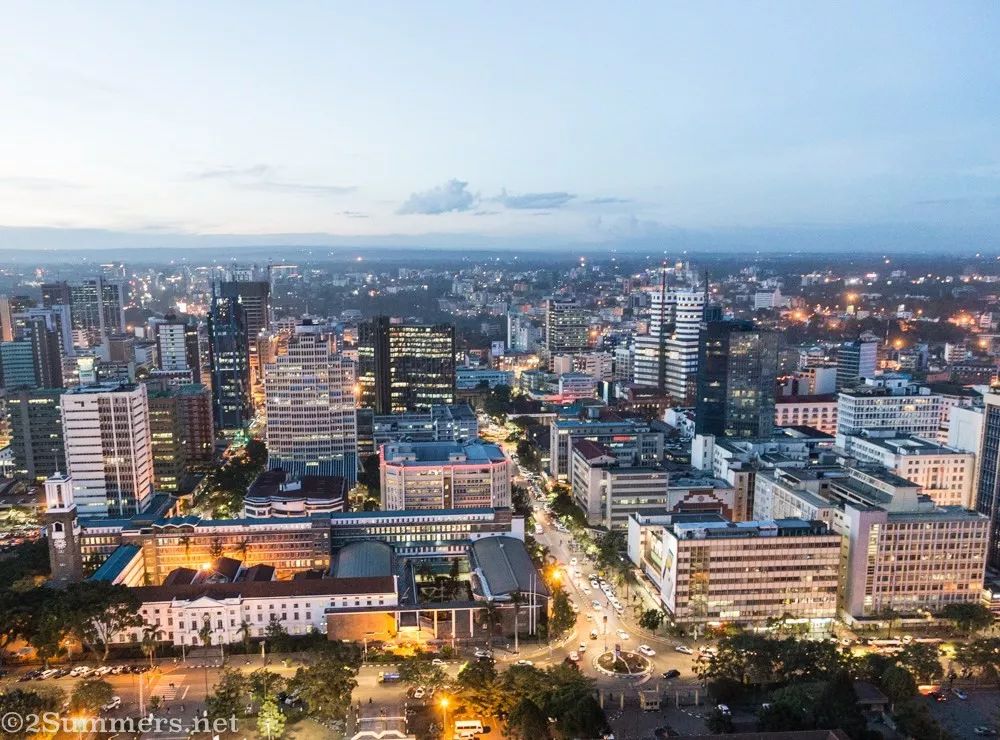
point(36, 183)
point(265, 177)
point(454, 195)
point(607, 201)
point(534, 201)
point(354, 214)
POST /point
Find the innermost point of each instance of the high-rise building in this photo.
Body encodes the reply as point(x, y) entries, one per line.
point(405, 367)
point(666, 358)
point(36, 432)
point(108, 448)
point(17, 365)
point(566, 327)
point(97, 306)
point(987, 493)
point(255, 298)
point(855, 362)
point(892, 403)
point(311, 408)
point(229, 360)
point(737, 371)
point(178, 347)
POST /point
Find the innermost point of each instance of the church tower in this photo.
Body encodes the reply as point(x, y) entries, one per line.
point(62, 530)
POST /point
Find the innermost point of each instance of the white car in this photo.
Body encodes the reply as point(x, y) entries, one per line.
point(480, 653)
point(418, 693)
point(524, 662)
point(116, 701)
point(437, 661)
point(622, 635)
point(647, 651)
point(596, 605)
point(582, 648)
point(572, 561)
point(684, 649)
point(574, 656)
point(724, 710)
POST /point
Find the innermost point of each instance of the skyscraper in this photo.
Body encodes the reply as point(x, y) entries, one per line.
point(737, 368)
point(855, 361)
point(229, 359)
point(108, 448)
point(311, 422)
point(36, 437)
point(405, 367)
point(666, 358)
point(97, 306)
point(178, 347)
point(566, 327)
point(987, 493)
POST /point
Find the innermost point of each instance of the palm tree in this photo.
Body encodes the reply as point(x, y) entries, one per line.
point(516, 598)
point(244, 630)
point(241, 548)
point(205, 633)
point(489, 618)
point(151, 636)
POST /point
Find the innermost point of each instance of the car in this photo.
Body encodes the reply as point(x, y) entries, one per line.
point(480, 653)
point(622, 635)
point(672, 673)
point(937, 696)
point(572, 561)
point(647, 651)
point(596, 605)
point(437, 661)
point(590, 617)
point(574, 656)
point(418, 693)
point(960, 694)
point(593, 634)
point(116, 701)
point(684, 649)
point(103, 670)
point(525, 662)
point(984, 731)
point(582, 648)
point(724, 710)
point(585, 588)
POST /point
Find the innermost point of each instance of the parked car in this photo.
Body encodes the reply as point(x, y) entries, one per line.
point(524, 662)
point(984, 731)
point(480, 653)
point(724, 710)
point(418, 693)
point(437, 661)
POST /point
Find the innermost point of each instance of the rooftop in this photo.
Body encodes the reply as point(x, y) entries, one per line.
point(432, 453)
point(275, 484)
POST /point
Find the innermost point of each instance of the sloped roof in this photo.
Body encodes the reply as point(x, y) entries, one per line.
point(364, 559)
point(505, 566)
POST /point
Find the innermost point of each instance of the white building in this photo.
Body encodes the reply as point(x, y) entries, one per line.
point(311, 408)
point(577, 385)
point(598, 365)
point(945, 474)
point(707, 569)
point(819, 412)
point(108, 448)
point(891, 403)
point(444, 475)
point(470, 378)
point(667, 356)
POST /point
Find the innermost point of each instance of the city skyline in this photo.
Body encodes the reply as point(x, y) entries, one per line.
point(770, 127)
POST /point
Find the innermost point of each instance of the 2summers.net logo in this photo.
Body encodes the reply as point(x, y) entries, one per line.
point(14, 724)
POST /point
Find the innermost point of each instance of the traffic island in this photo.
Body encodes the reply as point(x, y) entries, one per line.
point(623, 664)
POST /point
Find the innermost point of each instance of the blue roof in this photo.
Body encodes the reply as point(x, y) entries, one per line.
point(116, 562)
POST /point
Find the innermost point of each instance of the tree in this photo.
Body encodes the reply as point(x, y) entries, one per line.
point(476, 684)
point(418, 672)
point(151, 637)
point(262, 684)
point(967, 618)
point(325, 687)
point(276, 635)
point(719, 722)
point(497, 402)
point(982, 657)
point(14, 620)
point(228, 697)
point(90, 695)
point(520, 501)
point(270, 720)
point(99, 611)
point(246, 633)
point(922, 660)
point(915, 720)
point(898, 684)
point(651, 619)
point(20, 703)
point(837, 706)
point(563, 617)
point(205, 632)
point(527, 722)
point(583, 718)
point(45, 625)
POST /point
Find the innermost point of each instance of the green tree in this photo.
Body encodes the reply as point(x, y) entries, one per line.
point(563, 617)
point(151, 636)
point(99, 611)
point(583, 718)
point(263, 683)
point(205, 632)
point(90, 695)
point(24, 703)
point(837, 706)
point(527, 722)
point(276, 635)
point(246, 634)
point(651, 619)
point(476, 684)
point(922, 660)
point(418, 672)
point(982, 657)
point(228, 697)
point(898, 684)
point(270, 720)
point(719, 723)
point(45, 626)
point(967, 618)
point(325, 687)
point(915, 720)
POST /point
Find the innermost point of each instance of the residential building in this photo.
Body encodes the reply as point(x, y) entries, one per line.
point(444, 475)
point(708, 569)
point(310, 404)
point(108, 448)
point(737, 370)
point(405, 366)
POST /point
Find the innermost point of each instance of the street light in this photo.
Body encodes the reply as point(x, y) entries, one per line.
point(444, 715)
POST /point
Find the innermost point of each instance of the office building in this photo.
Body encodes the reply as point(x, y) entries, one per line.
point(443, 423)
point(181, 431)
point(567, 327)
point(818, 412)
point(667, 356)
point(855, 362)
point(631, 441)
point(987, 486)
point(892, 404)
point(444, 475)
point(310, 405)
point(36, 435)
point(97, 306)
point(178, 348)
point(276, 493)
point(17, 365)
point(229, 360)
point(901, 550)
point(405, 367)
point(472, 378)
point(255, 298)
point(945, 474)
point(108, 448)
point(708, 569)
point(737, 368)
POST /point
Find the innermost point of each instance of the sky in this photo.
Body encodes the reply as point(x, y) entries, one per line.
point(528, 124)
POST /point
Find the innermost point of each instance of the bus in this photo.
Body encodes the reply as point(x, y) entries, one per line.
point(388, 677)
point(468, 727)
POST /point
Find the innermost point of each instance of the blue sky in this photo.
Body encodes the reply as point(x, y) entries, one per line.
point(507, 123)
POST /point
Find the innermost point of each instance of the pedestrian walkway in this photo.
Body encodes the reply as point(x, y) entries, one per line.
point(170, 690)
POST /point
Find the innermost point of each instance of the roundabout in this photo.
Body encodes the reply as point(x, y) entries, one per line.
point(623, 663)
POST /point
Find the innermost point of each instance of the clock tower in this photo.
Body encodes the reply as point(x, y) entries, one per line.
point(62, 528)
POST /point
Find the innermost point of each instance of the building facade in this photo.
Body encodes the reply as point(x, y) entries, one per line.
point(444, 475)
point(229, 361)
